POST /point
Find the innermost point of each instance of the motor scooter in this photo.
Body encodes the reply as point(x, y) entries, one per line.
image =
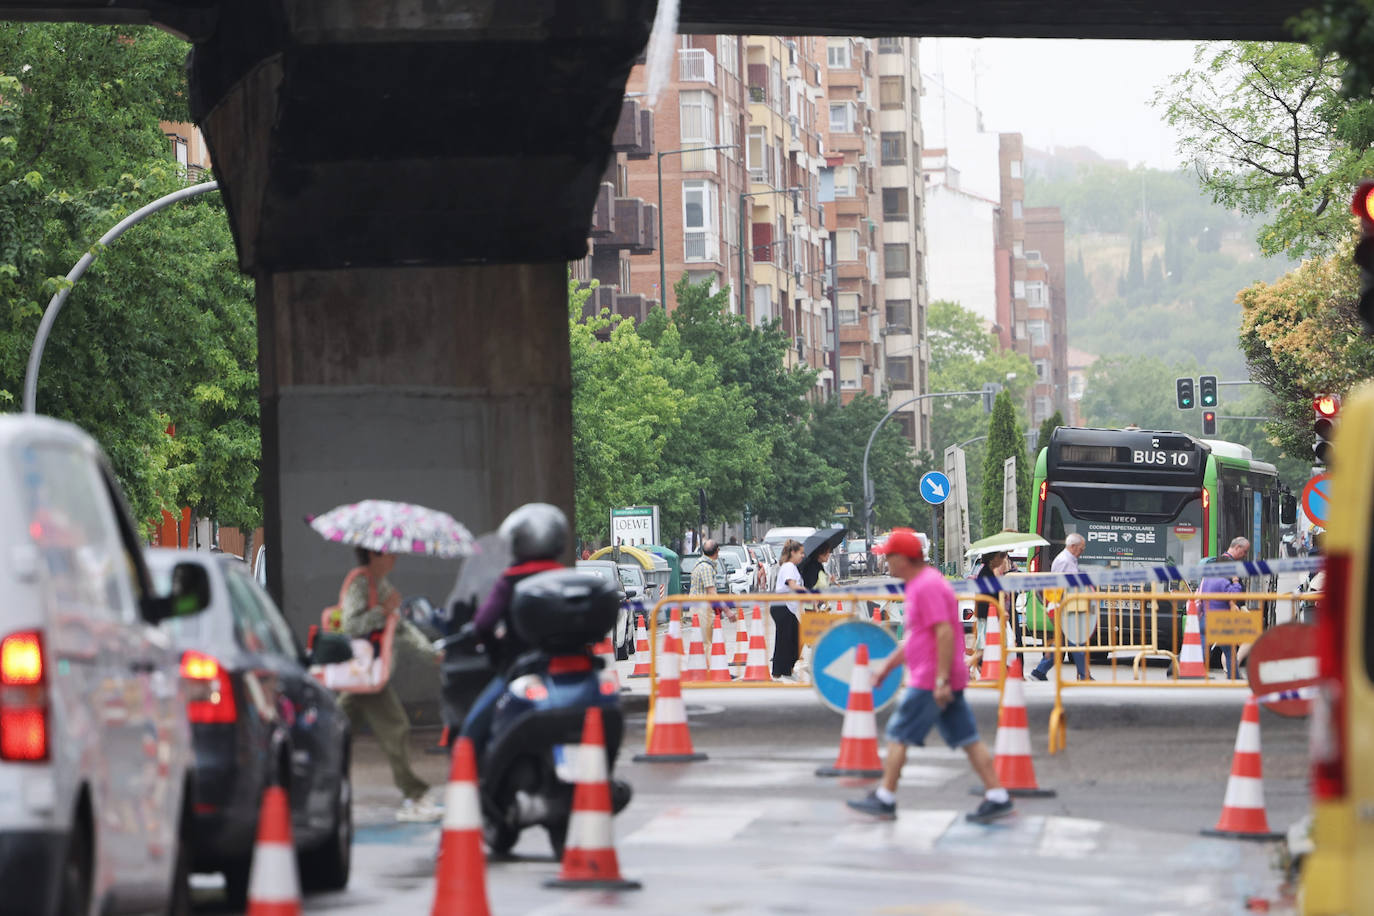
point(527, 771)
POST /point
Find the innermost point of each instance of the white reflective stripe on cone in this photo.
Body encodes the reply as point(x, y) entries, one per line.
point(461, 808)
point(1012, 742)
point(669, 711)
point(1248, 738)
point(671, 663)
point(589, 830)
point(273, 876)
point(1244, 792)
point(591, 762)
point(860, 725)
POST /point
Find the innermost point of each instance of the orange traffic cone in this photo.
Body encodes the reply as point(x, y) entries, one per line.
point(839, 606)
point(696, 653)
point(1192, 661)
point(742, 639)
point(878, 614)
point(606, 649)
point(642, 649)
point(720, 670)
point(669, 739)
point(1242, 811)
point(442, 745)
point(273, 887)
point(589, 859)
point(1012, 750)
point(992, 648)
point(460, 880)
point(859, 733)
point(756, 667)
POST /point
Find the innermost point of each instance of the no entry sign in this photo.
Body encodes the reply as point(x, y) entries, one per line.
point(1284, 658)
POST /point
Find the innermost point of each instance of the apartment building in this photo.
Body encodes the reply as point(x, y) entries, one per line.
point(851, 195)
point(704, 104)
point(902, 305)
point(785, 238)
point(1048, 303)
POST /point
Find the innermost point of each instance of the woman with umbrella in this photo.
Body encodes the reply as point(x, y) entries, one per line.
point(367, 604)
point(816, 552)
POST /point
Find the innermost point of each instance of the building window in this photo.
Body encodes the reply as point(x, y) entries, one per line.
point(1076, 387)
point(727, 51)
point(891, 92)
point(1039, 332)
point(1018, 249)
point(849, 307)
point(1037, 295)
point(889, 46)
point(838, 55)
point(842, 117)
point(894, 148)
point(1016, 168)
point(1016, 209)
point(697, 111)
point(899, 315)
point(1042, 369)
point(1044, 406)
point(758, 156)
point(1018, 289)
point(897, 259)
point(701, 240)
point(763, 303)
point(851, 372)
point(846, 181)
point(899, 371)
point(847, 245)
point(895, 204)
point(180, 150)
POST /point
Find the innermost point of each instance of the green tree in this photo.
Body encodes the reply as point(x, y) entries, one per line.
point(841, 431)
point(1006, 439)
point(1267, 129)
point(1047, 429)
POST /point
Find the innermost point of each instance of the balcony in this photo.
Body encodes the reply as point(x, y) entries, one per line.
point(633, 307)
point(603, 213)
point(648, 231)
point(700, 245)
point(696, 65)
point(854, 333)
point(603, 297)
point(628, 226)
point(646, 134)
point(628, 130)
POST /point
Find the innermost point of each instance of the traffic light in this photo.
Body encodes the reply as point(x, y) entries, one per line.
point(1363, 207)
point(1184, 389)
point(1209, 422)
point(1207, 391)
point(1326, 407)
point(990, 392)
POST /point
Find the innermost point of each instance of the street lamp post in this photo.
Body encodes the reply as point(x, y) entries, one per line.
point(742, 197)
point(662, 263)
point(868, 512)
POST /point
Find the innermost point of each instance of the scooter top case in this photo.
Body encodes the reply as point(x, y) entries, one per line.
point(563, 610)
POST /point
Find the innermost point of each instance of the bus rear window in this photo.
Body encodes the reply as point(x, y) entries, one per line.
point(1116, 500)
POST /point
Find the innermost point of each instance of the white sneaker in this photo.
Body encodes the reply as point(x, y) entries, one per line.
point(413, 811)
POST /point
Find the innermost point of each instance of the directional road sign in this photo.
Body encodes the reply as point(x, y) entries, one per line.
point(934, 487)
point(1284, 658)
point(833, 662)
point(1316, 498)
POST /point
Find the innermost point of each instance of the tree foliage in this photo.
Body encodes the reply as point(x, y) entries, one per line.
point(1006, 439)
point(161, 331)
point(1270, 134)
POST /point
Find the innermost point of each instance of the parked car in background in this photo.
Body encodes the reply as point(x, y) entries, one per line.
point(776, 537)
point(766, 567)
point(689, 563)
point(95, 749)
point(739, 555)
point(622, 637)
point(257, 719)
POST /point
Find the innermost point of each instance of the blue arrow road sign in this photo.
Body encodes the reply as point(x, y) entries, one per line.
point(934, 487)
point(833, 662)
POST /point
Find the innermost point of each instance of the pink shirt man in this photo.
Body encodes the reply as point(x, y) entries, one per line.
point(929, 601)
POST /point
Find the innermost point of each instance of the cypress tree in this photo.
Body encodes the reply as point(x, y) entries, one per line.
point(1005, 439)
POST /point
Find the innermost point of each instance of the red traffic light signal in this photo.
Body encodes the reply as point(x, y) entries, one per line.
point(1209, 422)
point(1326, 405)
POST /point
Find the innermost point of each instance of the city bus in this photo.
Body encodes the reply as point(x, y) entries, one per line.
point(1151, 498)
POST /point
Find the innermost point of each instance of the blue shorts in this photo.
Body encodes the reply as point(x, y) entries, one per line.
point(918, 711)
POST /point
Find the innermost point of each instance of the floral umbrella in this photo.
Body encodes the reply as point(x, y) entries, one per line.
point(392, 527)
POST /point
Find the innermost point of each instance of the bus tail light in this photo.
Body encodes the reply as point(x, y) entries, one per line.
point(23, 698)
point(1206, 519)
point(1327, 741)
point(209, 693)
point(1039, 523)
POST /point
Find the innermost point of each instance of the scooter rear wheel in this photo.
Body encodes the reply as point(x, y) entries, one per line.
point(558, 836)
point(500, 838)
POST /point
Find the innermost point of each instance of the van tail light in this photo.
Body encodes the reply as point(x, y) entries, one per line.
point(23, 698)
point(1327, 736)
point(210, 694)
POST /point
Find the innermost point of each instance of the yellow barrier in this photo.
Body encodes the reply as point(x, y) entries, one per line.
point(1130, 622)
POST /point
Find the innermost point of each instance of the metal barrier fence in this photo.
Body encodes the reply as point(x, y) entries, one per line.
point(1132, 623)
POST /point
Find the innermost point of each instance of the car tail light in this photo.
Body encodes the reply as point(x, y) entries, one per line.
point(23, 698)
point(1327, 739)
point(210, 699)
point(529, 687)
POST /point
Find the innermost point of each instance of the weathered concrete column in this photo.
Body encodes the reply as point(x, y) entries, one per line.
point(407, 181)
point(445, 386)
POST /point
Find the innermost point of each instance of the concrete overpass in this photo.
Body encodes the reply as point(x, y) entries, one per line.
point(406, 181)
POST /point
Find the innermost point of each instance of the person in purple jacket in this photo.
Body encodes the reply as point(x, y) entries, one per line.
point(537, 534)
point(1239, 550)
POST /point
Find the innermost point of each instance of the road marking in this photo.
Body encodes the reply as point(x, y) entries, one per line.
point(915, 831)
point(1070, 837)
point(697, 825)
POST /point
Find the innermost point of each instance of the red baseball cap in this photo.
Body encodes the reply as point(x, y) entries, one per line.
point(902, 541)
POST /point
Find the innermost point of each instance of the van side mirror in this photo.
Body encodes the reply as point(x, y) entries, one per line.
point(190, 594)
point(1288, 509)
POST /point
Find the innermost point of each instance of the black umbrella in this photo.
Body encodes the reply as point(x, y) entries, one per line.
point(825, 538)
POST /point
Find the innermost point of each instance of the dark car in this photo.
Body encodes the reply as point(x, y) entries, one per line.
point(257, 718)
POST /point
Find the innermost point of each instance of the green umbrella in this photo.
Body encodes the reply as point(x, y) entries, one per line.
point(1005, 541)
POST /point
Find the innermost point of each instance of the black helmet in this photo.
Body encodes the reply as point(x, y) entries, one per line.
point(536, 531)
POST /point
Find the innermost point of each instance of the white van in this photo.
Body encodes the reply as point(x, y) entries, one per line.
point(776, 537)
point(94, 737)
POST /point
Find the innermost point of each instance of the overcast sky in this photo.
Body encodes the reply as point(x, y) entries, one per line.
point(1067, 92)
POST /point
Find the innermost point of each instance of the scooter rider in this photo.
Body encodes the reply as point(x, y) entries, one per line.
point(537, 534)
